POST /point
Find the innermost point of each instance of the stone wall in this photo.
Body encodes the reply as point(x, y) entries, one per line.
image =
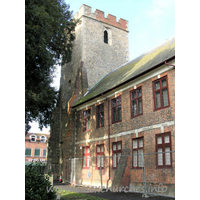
point(91, 60)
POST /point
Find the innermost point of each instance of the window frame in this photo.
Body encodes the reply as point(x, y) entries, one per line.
point(116, 152)
point(34, 152)
point(160, 90)
point(136, 149)
point(85, 155)
point(117, 105)
point(99, 113)
point(30, 154)
point(86, 119)
point(163, 145)
point(99, 154)
point(31, 136)
point(137, 98)
point(43, 137)
point(105, 36)
point(45, 153)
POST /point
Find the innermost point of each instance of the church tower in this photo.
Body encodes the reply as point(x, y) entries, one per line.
point(101, 45)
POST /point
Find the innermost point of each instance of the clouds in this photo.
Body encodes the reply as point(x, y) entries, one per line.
point(160, 8)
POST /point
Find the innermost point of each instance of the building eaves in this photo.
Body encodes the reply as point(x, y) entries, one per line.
point(135, 68)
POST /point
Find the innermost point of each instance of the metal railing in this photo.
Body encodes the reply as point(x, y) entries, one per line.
point(147, 173)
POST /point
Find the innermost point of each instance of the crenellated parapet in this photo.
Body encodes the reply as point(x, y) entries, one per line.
point(99, 15)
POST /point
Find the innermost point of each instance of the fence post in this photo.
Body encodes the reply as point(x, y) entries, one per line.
point(101, 170)
point(144, 177)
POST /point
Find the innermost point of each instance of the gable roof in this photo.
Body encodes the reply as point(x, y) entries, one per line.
point(127, 72)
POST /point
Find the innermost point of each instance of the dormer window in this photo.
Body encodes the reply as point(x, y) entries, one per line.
point(43, 138)
point(106, 37)
point(33, 138)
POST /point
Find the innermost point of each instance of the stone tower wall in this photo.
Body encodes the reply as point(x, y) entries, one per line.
point(91, 60)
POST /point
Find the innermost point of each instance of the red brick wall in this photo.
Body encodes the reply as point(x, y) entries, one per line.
point(111, 20)
point(33, 145)
point(148, 118)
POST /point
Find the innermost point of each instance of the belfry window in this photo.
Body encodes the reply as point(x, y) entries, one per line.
point(105, 37)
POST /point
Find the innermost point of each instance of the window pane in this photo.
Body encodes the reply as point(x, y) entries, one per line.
point(98, 161)
point(139, 92)
point(160, 156)
point(37, 152)
point(164, 83)
point(158, 105)
point(102, 161)
point(159, 140)
point(114, 147)
point(84, 114)
point(88, 112)
point(88, 150)
point(157, 85)
point(84, 150)
point(134, 144)
point(113, 102)
point(98, 149)
point(84, 125)
point(165, 97)
point(102, 108)
point(88, 123)
point(98, 120)
point(119, 117)
point(139, 105)
point(134, 158)
point(118, 101)
point(119, 146)
point(166, 139)
point(114, 114)
point(140, 158)
point(102, 119)
point(134, 109)
point(102, 149)
point(141, 143)
point(44, 152)
point(133, 94)
point(167, 156)
point(114, 160)
point(28, 152)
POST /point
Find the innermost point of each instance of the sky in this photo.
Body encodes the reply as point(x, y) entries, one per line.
point(151, 22)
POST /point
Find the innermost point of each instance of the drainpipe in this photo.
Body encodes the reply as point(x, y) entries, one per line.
point(169, 64)
point(108, 138)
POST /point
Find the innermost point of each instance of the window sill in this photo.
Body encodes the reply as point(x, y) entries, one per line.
point(136, 116)
point(116, 122)
point(163, 167)
point(136, 168)
point(98, 168)
point(161, 108)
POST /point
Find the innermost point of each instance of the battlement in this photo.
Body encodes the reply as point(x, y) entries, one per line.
point(99, 15)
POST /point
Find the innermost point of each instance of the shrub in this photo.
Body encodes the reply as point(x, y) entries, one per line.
point(36, 186)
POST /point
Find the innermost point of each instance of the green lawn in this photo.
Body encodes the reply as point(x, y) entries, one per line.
point(74, 195)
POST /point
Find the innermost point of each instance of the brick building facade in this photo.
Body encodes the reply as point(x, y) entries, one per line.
point(35, 147)
point(127, 115)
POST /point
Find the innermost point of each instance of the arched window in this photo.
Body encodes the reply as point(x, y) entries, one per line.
point(33, 138)
point(43, 138)
point(105, 37)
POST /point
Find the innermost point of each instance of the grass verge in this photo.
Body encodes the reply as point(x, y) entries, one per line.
point(73, 195)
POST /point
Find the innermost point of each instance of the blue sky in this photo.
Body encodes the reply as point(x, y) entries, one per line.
point(151, 22)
